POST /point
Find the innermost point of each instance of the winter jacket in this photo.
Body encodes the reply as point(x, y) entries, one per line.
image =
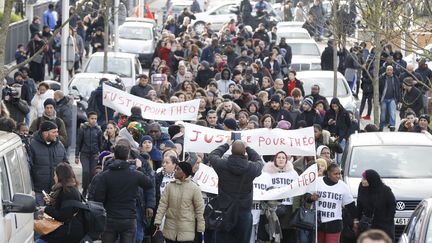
point(298, 84)
point(117, 189)
point(44, 158)
point(280, 114)
point(59, 122)
point(327, 59)
point(343, 121)
point(412, 99)
point(37, 108)
point(140, 91)
point(89, 140)
point(310, 117)
point(183, 207)
point(426, 77)
point(72, 231)
point(230, 171)
point(384, 81)
point(64, 112)
point(377, 201)
point(95, 103)
point(17, 108)
point(223, 85)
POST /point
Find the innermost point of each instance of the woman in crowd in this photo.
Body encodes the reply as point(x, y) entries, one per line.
point(282, 173)
point(43, 92)
point(146, 146)
point(331, 196)
point(267, 121)
point(110, 135)
point(324, 153)
point(376, 204)
point(64, 189)
point(166, 175)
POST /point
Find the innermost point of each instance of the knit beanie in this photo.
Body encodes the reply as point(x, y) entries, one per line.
point(49, 101)
point(186, 168)
point(231, 124)
point(309, 101)
point(47, 126)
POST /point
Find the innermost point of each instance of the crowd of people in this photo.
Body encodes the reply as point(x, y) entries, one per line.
point(243, 81)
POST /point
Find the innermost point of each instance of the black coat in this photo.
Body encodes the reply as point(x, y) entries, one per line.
point(89, 140)
point(310, 117)
point(379, 203)
point(279, 115)
point(327, 59)
point(140, 91)
point(117, 189)
point(203, 77)
point(343, 122)
point(17, 108)
point(412, 99)
point(44, 158)
point(64, 112)
point(230, 172)
point(396, 86)
point(72, 231)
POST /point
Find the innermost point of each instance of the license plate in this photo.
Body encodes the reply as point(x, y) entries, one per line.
point(401, 221)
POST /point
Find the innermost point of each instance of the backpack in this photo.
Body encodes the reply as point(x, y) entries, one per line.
point(94, 216)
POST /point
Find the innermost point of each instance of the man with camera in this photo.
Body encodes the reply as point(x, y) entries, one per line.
point(18, 108)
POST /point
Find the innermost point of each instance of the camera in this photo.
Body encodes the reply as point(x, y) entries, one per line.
point(11, 92)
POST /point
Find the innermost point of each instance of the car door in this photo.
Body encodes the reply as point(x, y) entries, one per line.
point(21, 224)
point(412, 233)
point(5, 219)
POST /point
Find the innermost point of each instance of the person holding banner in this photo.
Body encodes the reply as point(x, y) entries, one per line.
point(236, 175)
point(282, 173)
point(332, 194)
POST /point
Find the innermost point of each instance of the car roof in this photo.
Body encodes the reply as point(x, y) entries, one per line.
point(138, 24)
point(114, 54)
point(318, 74)
point(95, 76)
point(6, 138)
point(307, 41)
point(285, 29)
point(390, 138)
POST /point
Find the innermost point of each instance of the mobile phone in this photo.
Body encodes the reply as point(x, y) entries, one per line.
point(235, 136)
point(44, 193)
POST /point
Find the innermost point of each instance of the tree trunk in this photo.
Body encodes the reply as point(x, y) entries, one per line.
point(107, 34)
point(4, 28)
point(376, 101)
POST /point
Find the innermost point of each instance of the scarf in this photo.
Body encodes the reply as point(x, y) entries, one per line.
point(273, 226)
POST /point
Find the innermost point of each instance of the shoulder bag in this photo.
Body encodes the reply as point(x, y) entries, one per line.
point(222, 219)
point(46, 225)
point(303, 218)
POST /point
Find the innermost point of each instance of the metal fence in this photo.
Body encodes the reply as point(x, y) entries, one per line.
point(18, 34)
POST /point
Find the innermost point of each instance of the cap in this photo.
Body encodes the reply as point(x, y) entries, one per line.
point(425, 116)
point(47, 126)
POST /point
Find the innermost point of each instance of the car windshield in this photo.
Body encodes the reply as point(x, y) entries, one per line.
point(116, 65)
point(326, 86)
point(84, 85)
point(395, 161)
point(135, 33)
point(307, 49)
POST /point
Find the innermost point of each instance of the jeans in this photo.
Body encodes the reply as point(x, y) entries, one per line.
point(123, 228)
point(388, 106)
point(241, 232)
point(366, 97)
point(339, 156)
point(88, 163)
point(140, 226)
point(306, 236)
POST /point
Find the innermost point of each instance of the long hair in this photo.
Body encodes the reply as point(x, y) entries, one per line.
point(65, 177)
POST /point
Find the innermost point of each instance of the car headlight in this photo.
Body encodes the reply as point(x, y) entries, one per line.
point(316, 66)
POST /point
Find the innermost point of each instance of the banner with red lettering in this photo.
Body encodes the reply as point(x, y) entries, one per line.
point(122, 102)
point(207, 179)
point(299, 142)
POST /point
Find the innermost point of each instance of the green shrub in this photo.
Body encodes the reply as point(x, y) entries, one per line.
point(14, 18)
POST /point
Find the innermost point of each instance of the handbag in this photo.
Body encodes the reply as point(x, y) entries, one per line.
point(222, 219)
point(365, 223)
point(45, 226)
point(157, 237)
point(303, 218)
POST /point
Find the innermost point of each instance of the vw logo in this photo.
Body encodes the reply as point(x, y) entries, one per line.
point(400, 206)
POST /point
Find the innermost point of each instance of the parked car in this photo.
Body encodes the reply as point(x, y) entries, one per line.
point(401, 160)
point(292, 33)
point(54, 84)
point(290, 24)
point(326, 83)
point(18, 204)
point(140, 38)
point(125, 65)
point(82, 84)
point(305, 54)
point(419, 228)
point(217, 16)
point(175, 7)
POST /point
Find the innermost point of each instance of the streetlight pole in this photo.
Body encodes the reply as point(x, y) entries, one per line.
point(64, 73)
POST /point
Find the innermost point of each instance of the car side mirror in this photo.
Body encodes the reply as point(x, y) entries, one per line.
point(21, 203)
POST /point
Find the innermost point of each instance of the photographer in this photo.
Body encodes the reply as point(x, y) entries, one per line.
point(18, 108)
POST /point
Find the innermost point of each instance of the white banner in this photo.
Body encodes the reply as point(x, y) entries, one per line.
point(207, 179)
point(123, 102)
point(299, 142)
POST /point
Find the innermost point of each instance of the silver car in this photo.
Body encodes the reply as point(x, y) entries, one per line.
point(419, 228)
point(401, 158)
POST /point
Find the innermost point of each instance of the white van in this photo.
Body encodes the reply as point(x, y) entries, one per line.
point(18, 205)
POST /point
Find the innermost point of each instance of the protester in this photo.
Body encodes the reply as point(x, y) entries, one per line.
point(376, 204)
point(236, 174)
point(60, 208)
point(43, 93)
point(186, 215)
point(46, 152)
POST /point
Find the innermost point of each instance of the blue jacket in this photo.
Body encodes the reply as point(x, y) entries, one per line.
point(48, 19)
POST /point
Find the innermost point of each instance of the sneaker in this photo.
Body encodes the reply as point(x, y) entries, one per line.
point(366, 117)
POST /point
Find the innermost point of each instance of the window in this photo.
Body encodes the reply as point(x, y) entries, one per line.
point(411, 227)
point(15, 172)
point(326, 86)
point(116, 65)
point(6, 195)
point(25, 169)
point(135, 33)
